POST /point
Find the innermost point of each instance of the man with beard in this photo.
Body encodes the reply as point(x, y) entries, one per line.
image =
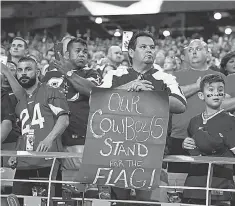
point(77, 81)
point(142, 76)
point(18, 49)
point(43, 112)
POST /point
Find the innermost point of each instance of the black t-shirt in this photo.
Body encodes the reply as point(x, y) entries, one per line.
point(9, 102)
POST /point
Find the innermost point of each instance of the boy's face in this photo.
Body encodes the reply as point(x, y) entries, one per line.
point(213, 94)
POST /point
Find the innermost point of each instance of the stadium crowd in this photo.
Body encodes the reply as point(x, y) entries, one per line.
point(47, 83)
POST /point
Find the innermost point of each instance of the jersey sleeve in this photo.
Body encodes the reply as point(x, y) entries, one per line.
point(171, 84)
point(57, 102)
point(229, 135)
point(7, 108)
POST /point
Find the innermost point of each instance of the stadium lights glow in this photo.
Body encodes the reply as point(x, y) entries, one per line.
point(228, 31)
point(166, 33)
point(117, 33)
point(217, 16)
point(98, 20)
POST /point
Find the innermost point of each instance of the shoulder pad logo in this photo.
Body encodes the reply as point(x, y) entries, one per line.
point(55, 82)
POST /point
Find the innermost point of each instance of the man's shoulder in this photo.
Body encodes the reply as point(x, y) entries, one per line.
point(196, 119)
point(161, 75)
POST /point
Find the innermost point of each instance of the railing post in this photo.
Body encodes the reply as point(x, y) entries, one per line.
point(208, 184)
point(49, 185)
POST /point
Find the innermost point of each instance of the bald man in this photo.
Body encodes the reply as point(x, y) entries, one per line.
point(189, 81)
point(113, 60)
point(115, 55)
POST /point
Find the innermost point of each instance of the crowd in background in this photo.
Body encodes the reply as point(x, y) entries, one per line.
point(105, 55)
point(41, 46)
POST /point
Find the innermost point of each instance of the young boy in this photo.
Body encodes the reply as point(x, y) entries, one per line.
point(211, 133)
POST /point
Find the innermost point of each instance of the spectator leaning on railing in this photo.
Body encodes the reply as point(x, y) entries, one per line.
point(211, 133)
point(43, 112)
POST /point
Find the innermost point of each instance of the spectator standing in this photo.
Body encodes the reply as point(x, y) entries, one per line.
point(10, 142)
point(228, 68)
point(43, 112)
point(77, 81)
point(7, 115)
point(113, 60)
point(189, 81)
point(211, 133)
point(142, 76)
point(18, 49)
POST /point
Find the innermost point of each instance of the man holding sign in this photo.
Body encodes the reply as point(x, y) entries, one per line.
point(142, 76)
point(121, 141)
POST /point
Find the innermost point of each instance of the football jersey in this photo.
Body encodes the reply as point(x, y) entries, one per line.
point(7, 111)
point(39, 111)
point(213, 137)
point(159, 79)
point(15, 132)
point(194, 105)
point(214, 133)
point(78, 104)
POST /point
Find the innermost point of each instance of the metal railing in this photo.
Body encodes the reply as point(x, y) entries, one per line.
point(172, 158)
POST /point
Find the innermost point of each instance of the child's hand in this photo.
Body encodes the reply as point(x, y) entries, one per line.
point(189, 143)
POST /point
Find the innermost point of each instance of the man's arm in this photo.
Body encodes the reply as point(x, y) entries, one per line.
point(81, 85)
point(176, 105)
point(6, 127)
point(177, 100)
point(60, 109)
point(17, 89)
point(58, 129)
point(229, 104)
point(191, 89)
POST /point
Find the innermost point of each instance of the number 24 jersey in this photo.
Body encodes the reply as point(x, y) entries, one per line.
point(39, 111)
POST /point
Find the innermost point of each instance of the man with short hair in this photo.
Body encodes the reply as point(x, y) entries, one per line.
point(77, 81)
point(142, 76)
point(18, 49)
point(43, 112)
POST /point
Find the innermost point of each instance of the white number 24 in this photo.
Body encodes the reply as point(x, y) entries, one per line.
point(37, 118)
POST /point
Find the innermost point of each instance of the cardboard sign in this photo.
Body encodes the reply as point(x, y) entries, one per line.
point(126, 36)
point(126, 135)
